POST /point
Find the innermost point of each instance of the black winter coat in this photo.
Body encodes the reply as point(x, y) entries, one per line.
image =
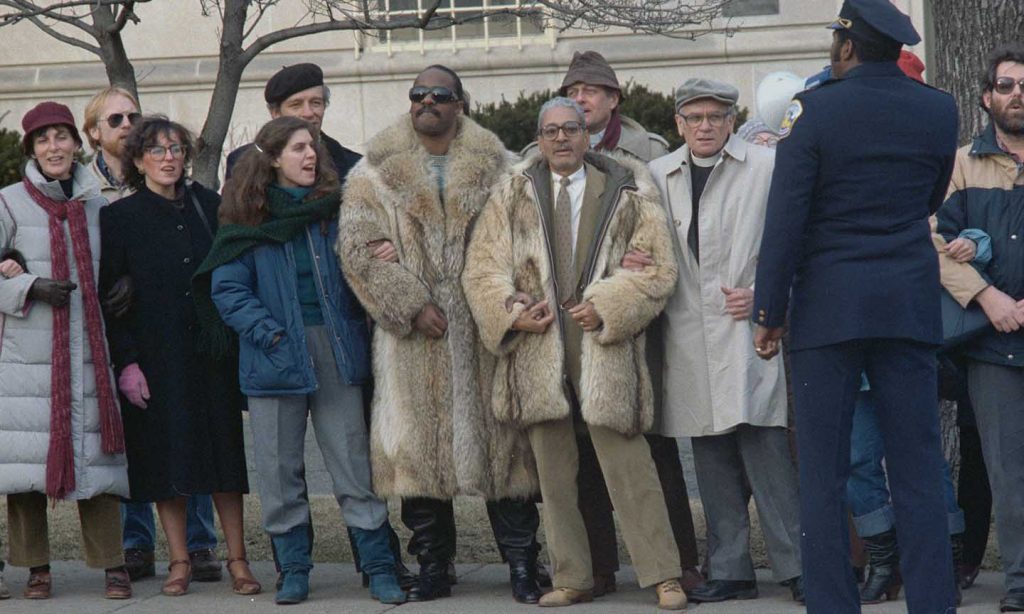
point(189, 438)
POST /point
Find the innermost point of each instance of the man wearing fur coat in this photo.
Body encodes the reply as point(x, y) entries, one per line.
point(566, 324)
point(407, 211)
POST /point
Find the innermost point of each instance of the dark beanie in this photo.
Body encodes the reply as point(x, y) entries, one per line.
point(46, 114)
point(292, 79)
point(591, 68)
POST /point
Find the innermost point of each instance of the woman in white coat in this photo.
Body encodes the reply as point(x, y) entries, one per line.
point(60, 428)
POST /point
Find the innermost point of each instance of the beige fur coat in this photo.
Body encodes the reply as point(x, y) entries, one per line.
point(431, 432)
point(509, 252)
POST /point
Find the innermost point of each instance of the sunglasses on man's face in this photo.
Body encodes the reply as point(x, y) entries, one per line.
point(114, 119)
point(1004, 85)
point(440, 95)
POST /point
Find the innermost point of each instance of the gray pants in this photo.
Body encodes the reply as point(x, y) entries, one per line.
point(997, 393)
point(724, 464)
point(279, 432)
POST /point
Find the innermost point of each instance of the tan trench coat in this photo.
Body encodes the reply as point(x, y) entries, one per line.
point(713, 380)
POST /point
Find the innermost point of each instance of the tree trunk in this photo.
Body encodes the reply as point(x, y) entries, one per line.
point(963, 32)
point(120, 72)
point(225, 91)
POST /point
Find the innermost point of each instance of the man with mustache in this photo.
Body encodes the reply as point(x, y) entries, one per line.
point(567, 325)
point(987, 192)
point(592, 83)
point(406, 216)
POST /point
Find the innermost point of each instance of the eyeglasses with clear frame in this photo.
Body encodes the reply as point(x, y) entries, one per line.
point(160, 152)
point(717, 120)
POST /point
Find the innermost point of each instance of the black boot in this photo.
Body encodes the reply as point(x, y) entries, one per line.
point(883, 581)
point(522, 568)
point(957, 543)
point(432, 522)
point(514, 523)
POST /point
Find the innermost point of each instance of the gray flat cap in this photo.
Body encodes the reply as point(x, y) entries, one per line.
point(695, 89)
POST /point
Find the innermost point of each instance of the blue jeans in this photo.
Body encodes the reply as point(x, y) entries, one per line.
point(867, 490)
point(140, 530)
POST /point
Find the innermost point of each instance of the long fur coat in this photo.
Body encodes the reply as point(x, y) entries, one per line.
point(432, 433)
point(509, 253)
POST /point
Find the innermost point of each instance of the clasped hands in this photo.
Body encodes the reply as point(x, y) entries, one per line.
point(538, 315)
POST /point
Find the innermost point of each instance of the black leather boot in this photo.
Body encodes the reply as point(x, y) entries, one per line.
point(432, 522)
point(957, 543)
point(883, 581)
point(514, 523)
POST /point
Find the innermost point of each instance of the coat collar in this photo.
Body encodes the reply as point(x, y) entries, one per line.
point(735, 148)
point(986, 143)
point(84, 184)
point(874, 69)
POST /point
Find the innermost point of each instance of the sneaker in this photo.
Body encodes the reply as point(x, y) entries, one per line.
point(205, 566)
point(139, 564)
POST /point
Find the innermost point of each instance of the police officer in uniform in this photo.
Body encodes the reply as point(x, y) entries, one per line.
point(863, 160)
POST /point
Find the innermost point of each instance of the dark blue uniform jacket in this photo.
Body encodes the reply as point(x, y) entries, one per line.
point(866, 160)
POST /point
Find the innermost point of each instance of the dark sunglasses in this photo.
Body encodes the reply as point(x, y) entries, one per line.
point(1004, 85)
point(440, 95)
point(114, 119)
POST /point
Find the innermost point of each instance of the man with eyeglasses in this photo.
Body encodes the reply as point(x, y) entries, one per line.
point(592, 83)
point(862, 161)
point(406, 216)
point(109, 117)
point(715, 189)
point(987, 192)
point(566, 324)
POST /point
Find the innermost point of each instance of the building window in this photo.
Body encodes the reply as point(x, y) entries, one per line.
point(484, 31)
point(750, 8)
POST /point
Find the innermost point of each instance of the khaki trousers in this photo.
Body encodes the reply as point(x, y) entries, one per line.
point(28, 530)
point(635, 491)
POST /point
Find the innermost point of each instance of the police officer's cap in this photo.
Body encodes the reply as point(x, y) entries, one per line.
point(290, 80)
point(876, 21)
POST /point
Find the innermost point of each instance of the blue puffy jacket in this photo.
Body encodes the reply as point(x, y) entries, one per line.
point(257, 296)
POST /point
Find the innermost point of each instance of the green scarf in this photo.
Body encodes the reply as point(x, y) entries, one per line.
point(288, 217)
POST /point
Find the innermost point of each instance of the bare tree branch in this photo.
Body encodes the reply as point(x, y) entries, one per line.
point(64, 38)
point(28, 9)
point(127, 14)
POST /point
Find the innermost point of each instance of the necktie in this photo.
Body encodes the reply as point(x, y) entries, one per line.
point(563, 242)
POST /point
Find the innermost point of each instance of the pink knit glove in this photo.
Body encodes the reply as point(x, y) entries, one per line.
point(132, 384)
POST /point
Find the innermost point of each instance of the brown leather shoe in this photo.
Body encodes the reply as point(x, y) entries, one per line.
point(178, 586)
point(243, 584)
point(562, 596)
point(604, 583)
point(38, 586)
point(118, 584)
point(691, 579)
point(670, 595)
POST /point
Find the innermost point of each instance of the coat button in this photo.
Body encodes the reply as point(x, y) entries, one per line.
point(1014, 237)
point(180, 227)
point(188, 293)
point(186, 260)
point(677, 222)
point(1009, 356)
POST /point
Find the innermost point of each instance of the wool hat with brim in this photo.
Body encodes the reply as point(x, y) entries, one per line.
point(591, 68)
point(876, 21)
point(698, 88)
point(45, 114)
point(290, 80)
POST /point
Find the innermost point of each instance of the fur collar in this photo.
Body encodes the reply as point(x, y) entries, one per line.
point(622, 168)
point(476, 160)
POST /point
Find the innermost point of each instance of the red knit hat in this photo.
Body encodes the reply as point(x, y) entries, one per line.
point(911, 65)
point(45, 114)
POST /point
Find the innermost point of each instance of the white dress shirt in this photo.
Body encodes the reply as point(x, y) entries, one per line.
point(577, 183)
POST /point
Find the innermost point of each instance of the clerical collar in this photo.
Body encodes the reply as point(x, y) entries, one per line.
point(705, 162)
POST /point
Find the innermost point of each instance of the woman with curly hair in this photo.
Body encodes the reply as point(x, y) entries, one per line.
point(181, 407)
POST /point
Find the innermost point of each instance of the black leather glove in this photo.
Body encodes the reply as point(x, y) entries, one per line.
point(118, 300)
point(13, 254)
point(56, 293)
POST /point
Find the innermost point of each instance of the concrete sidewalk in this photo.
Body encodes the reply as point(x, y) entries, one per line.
point(336, 589)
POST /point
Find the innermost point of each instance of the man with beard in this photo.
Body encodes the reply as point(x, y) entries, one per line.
point(862, 161)
point(406, 215)
point(987, 192)
point(109, 117)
